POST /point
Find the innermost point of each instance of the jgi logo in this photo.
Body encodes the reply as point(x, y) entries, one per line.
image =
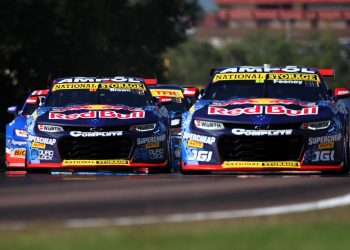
point(156, 153)
point(200, 155)
point(45, 155)
point(327, 155)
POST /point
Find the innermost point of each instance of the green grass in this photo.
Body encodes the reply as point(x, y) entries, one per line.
point(327, 229)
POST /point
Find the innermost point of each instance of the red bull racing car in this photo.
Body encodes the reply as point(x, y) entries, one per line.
point(259, 118)
point(99, 123)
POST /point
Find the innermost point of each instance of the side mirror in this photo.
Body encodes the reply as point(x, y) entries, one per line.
point(12, 110)
point(41, 100)
point(341, 93)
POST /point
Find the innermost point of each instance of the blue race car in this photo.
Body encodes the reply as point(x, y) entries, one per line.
point(172, 97)
point(263, 119)
point(93, 123)
point(16, 134)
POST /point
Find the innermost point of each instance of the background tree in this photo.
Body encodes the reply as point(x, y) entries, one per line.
point(190, 61)
point(85, 38)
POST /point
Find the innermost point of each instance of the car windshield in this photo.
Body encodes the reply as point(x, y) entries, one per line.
point(133, 94)
point(304, 87)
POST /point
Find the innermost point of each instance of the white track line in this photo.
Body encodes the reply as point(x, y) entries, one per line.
point(216, 215)
point(188, 217)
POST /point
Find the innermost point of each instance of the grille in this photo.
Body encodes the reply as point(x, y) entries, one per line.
point(239, 148)
point(95, 148)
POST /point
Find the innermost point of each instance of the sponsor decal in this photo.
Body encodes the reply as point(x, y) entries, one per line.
point(156, 153)
point(195, 144)
point(104, 114)
point(90, 86)
point(95, 107)
point(49, 128)
point(252, 164)
point(199, 138)
point(190, 91)
point(95, 134)
point(32, 100)
point(326, 145)
point(261, 77)
point(327, 155)
point(95, 162)
point(38, 145)
point(261, 132)
point(288, 82)
point(18, 143)
point(46, 155)
point(19, 152)
point(43, 140)
point(200, 155)
point(267, 68)
point(155, 144)
point(264, 101)
point(136, 86)
point(98, 80)
point(158, 138)
point(323, 139)
point(94, 86)
point(261, 109)
point(167, 93)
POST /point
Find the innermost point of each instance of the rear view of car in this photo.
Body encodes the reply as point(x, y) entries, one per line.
point(16, 134)
point(109, 123)
point(264, 119)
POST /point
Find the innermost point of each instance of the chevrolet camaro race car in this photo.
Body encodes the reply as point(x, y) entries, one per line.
point(263, 118)
point(174, 100)
point(109, 123)
point(16, 134)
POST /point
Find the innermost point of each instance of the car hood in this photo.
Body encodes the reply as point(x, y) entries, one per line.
point(97, 115)
point(263, 111)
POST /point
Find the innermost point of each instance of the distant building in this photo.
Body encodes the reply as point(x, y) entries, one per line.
point(296, 18)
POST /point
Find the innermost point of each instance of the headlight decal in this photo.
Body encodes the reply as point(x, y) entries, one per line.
point(316, 125)
point(143, 127)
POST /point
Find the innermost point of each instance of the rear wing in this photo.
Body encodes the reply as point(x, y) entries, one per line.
point(40, 92)
point(326, 72)
point(150, 81)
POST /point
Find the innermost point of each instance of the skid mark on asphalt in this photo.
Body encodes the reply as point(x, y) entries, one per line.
point(188, 217)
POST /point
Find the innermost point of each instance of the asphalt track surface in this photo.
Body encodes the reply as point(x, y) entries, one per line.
point(42, 198)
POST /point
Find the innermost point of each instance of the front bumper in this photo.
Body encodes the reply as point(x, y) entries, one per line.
point(299, 151)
